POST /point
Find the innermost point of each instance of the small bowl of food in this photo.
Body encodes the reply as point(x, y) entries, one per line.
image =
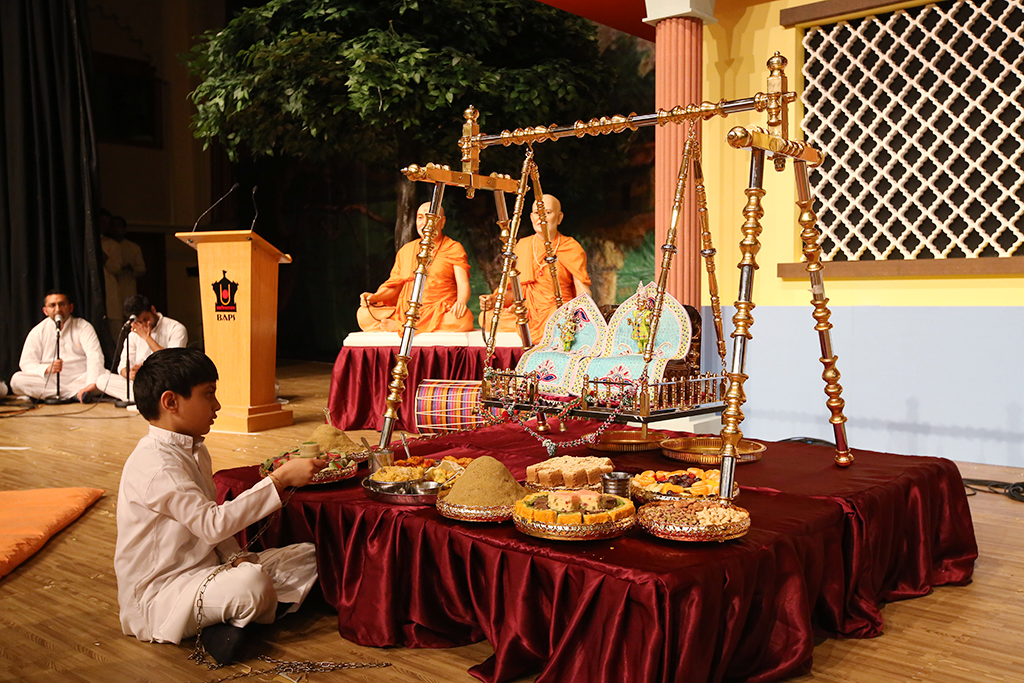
point(424, 488)
point(390, 486)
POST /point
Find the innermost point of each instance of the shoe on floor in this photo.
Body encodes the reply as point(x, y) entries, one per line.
point(223, 642)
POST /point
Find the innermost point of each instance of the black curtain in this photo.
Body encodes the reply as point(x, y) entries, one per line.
point(47, 169)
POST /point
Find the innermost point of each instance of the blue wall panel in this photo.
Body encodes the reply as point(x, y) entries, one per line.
point(918, 381)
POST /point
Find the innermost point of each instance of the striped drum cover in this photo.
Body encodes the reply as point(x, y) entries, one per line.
point(447, 405)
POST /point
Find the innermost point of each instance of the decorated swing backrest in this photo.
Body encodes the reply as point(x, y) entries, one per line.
point(573, 333)
point(577, 327)
point(629, 328)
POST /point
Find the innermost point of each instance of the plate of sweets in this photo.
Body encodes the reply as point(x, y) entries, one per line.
point(333, 440)
point(694, 519)
point(568, 472)
point(672, 485)
point(485, 492)
point(339, 465)
point(582, 515)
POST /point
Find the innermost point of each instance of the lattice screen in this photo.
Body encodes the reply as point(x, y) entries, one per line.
point(921, 114)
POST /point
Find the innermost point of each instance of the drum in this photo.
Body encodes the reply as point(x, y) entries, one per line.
point(448, 405)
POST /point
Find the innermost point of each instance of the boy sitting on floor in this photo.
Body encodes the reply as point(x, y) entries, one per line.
point(172, 535)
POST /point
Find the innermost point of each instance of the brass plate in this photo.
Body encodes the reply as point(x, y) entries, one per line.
point(705, 450)
point(574, 532)
point(474, 513)
point(628, 441)
point(692, 533)
point(325, 476)
point(644, 496)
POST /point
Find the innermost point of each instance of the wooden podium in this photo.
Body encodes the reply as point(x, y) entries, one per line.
point(238, 287)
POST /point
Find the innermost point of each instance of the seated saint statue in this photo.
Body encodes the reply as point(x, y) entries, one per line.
point(535, 276)
point(445, 295)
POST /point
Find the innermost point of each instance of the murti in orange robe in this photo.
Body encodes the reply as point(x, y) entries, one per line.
point(439, 294)
point(535, 278)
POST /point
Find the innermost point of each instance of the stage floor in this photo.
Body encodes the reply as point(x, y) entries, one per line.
point(58, 618)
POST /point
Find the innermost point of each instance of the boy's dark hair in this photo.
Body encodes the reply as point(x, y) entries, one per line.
point(177, 370)
point(56, 290)
point(136, 304)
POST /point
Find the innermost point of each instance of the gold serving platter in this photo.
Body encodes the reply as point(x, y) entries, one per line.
point(325, 476)
point(574, 532)
point(642, 495)
point(473, 513)
point(706, 450)
point(628, 441)
point(691, 532)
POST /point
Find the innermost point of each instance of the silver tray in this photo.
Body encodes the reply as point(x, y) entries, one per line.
point(398, 498)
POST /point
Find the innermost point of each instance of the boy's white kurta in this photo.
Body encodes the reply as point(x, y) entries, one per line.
point(171, 535)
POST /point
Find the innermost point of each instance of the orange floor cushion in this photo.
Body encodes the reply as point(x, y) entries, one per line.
point(29, 518)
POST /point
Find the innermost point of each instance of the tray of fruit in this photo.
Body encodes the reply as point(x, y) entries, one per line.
point(339, 466)
point(694, 520)
point(580, 515)
point(672, 485)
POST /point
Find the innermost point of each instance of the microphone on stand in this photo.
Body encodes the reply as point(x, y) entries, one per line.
point(58, 320)
point(254, 208)
point(127, 357)
point(203, 214)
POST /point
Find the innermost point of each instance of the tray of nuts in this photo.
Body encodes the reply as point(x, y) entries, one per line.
point(694, 520)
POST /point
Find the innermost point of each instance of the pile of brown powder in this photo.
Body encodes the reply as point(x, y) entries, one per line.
point(486, 483)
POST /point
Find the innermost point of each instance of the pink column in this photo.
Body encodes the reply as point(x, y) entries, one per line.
point(678, 78)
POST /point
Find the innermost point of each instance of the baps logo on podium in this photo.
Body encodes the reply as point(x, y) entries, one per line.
point(225, 290)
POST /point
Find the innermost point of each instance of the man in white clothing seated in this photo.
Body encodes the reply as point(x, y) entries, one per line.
point(150, 332)
point(177, 562)
point(78, 365)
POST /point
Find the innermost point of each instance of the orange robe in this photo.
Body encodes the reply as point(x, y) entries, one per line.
point(439, 294)
point(535, 278)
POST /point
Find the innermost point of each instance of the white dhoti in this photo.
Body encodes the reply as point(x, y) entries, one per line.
point(116, 386)
point(71, 382)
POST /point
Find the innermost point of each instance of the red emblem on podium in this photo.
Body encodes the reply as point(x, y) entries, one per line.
point(225, 290)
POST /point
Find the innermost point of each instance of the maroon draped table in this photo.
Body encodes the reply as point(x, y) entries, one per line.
point(359, 381)
point(826, 549)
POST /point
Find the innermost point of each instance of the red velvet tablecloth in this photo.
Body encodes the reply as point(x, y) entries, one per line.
point(359, 381)
point(826, 548)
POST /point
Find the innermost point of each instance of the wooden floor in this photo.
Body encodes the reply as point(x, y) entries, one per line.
point(58, 610)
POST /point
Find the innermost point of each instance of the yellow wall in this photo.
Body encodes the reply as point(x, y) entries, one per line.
point(735, 52)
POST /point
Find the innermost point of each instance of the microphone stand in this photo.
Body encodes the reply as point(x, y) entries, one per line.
point(127, 372)
point(56, 400)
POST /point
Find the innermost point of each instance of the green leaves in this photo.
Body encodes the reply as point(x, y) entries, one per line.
point(319, 78)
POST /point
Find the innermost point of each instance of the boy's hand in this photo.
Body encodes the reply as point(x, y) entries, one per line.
point(245, 557)
point(298, 471)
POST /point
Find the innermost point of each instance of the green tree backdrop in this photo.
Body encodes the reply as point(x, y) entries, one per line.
point(323, 102)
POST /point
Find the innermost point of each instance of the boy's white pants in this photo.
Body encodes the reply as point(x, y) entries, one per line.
point(247, 593)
